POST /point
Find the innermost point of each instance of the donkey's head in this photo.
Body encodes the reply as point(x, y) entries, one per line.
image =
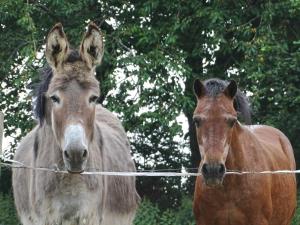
point(215, 118)
point(72, 93)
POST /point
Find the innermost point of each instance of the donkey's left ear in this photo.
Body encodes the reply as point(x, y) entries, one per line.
point(231, 89)
point(57, 46)
point(91, 48)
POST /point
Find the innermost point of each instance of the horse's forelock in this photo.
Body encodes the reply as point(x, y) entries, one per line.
point(241, 103)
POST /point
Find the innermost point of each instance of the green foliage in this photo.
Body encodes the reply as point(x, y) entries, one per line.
point(5, 180)
point(147, 214)
point(159, 48)
point(7, 211)
point(296, 220)
point(150, 214)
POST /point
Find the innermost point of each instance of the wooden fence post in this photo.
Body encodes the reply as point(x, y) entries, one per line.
point(1, 130)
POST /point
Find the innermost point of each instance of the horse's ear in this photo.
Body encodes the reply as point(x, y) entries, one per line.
point(57, 46)
point(199, 88)
point(231, 89)
point(91, 48)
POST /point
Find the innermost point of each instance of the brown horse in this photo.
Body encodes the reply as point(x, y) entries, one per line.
point(226, 144)
point(74, 134)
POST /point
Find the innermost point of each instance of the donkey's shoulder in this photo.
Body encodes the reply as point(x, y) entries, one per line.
point(26, 145)
point(103, 115)
point(116, 154)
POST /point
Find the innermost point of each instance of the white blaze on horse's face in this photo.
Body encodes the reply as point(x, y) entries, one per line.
point(72, 94)
point(214, 118)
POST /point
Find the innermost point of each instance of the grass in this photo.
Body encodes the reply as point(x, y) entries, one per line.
point(296, 219)
point(148, 213)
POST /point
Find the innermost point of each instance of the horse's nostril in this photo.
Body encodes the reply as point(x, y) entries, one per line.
point(204, 169)
point(222, 169)
point(66, 154)
point(213, 170)
point(85, 153)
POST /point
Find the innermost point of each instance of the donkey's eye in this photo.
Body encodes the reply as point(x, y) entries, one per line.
point(231, 121)
point(197, 121)
point(93, 99)
point(54, 99)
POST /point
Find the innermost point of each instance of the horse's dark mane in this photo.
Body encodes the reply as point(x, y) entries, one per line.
point(241, 103)
point(41, 88)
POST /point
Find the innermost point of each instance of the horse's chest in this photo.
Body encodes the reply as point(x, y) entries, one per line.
point(230, 214)
point(237, 203)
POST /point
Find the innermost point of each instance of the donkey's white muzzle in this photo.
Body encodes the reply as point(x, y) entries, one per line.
point(75, 151)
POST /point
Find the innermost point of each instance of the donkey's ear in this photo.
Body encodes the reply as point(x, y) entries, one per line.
point(91, 48)
point(199, 88)
point(57, 46)
point(231, 89)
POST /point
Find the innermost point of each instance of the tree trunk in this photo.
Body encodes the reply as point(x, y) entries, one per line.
point(196, 64)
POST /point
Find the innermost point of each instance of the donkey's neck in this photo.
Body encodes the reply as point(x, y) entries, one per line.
point(49, 153)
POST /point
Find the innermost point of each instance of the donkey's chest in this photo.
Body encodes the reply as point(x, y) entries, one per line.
point(71, 208)
point(71, 202)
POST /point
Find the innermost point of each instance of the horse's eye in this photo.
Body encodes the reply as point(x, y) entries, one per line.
point(93, 99)
point(197, 121)
point(231, 121)
point(54, 99)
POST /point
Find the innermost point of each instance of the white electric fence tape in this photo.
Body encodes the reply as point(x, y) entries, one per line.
point(16, 164)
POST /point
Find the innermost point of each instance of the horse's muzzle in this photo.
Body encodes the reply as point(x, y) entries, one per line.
point(213, 173)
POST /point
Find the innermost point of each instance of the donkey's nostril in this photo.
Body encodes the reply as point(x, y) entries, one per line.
point(66, 154)
point(85, 153)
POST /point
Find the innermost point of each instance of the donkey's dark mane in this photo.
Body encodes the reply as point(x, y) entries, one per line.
point(241, 103)
point(41, 88)
point(39, 91)
point(73, 56)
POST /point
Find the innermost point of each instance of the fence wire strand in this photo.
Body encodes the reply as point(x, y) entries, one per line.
point(143, 173)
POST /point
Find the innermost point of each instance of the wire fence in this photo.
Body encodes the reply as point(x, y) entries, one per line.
point(152, 173)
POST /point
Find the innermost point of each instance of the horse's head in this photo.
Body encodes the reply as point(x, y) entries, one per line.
point(215, 118)
point(72, 93)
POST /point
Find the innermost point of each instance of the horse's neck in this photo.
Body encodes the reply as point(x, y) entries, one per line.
point(238, 155)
